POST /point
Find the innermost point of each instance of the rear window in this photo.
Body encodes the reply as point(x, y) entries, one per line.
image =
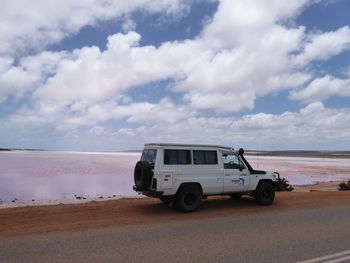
point(205, 157)
point(177, 156)
point(149, 155)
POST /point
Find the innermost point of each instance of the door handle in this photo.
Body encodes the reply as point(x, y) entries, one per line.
point(227, 174)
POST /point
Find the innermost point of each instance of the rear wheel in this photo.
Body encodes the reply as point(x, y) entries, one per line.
point(188, 199)
point(264, 194)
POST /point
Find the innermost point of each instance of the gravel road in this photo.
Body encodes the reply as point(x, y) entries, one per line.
point(288, 235)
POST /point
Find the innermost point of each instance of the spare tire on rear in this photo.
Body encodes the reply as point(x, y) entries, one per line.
point(142, 175)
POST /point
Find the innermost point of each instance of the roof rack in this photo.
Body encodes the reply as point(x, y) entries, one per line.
point(190, 145)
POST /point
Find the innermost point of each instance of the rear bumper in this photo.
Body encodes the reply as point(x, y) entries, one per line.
point(149, 192)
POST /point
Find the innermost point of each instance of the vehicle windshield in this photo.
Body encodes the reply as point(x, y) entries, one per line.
point(149, 155)
point(231, 161)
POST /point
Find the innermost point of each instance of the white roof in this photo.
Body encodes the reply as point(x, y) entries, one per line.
point(189, 145)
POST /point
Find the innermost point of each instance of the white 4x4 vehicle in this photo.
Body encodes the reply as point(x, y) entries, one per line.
point(183, 174)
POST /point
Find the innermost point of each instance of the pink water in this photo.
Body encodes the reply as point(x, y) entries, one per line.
point(303, 171)
point(27, 176)
point(61, 175)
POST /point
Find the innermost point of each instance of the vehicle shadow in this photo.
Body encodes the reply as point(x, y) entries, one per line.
point(211, 205)
point(225, 202)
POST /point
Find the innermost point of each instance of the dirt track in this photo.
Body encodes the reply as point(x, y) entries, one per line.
point(43, 219)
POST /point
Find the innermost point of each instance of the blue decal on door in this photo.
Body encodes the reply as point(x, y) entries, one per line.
point(238, 181)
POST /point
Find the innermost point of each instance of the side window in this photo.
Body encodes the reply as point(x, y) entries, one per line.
point(205, 157)
point(231, 161)
point(149, 155)
point(177, 156)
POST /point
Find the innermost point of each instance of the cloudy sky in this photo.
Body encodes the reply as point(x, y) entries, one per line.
point(108, 75)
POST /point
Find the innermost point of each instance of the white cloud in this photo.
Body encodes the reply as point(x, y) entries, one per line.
point(222, 69)
point(313, 124)
point(5, 63)
point(222, 102)
point(30, 25)
point(128, 25)
point(164, 112)
point(242, 22)
point(31, 71)
point(243, 72)
point(244, 52)
point(324, 45)
point(97, 130)
point(322, 88)
point(73, 116)
point(61, 116)
point(91, 75)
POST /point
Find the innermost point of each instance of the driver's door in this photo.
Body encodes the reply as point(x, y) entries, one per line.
point(236, 175)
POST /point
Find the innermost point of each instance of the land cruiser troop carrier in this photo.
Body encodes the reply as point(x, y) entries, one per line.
point(183, 174)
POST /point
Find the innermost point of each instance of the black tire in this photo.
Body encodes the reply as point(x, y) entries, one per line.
point(142, 175)
point(235, 196)
point(188, 199)
point(264, 194)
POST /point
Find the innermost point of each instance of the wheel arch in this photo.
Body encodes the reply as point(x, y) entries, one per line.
point(266, 181)
point(190, 184)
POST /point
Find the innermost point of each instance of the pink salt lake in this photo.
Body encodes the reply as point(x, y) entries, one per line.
point(26, 176)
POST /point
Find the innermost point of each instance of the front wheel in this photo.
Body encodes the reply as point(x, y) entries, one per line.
point(264, 194)
point(188, 199)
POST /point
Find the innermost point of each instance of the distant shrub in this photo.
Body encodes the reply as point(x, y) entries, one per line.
point(283, 185)
point(344, 186)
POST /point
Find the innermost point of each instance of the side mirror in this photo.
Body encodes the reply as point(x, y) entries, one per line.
point(240, 151)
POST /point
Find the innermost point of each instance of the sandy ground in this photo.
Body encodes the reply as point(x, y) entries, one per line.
point(126, 211)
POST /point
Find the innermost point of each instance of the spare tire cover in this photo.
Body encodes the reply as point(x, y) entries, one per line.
point(142, 175)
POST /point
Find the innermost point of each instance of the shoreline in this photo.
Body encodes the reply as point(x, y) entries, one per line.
point(331, 186)
point(68, 201)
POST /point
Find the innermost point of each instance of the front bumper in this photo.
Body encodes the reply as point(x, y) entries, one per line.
point(148, 192)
